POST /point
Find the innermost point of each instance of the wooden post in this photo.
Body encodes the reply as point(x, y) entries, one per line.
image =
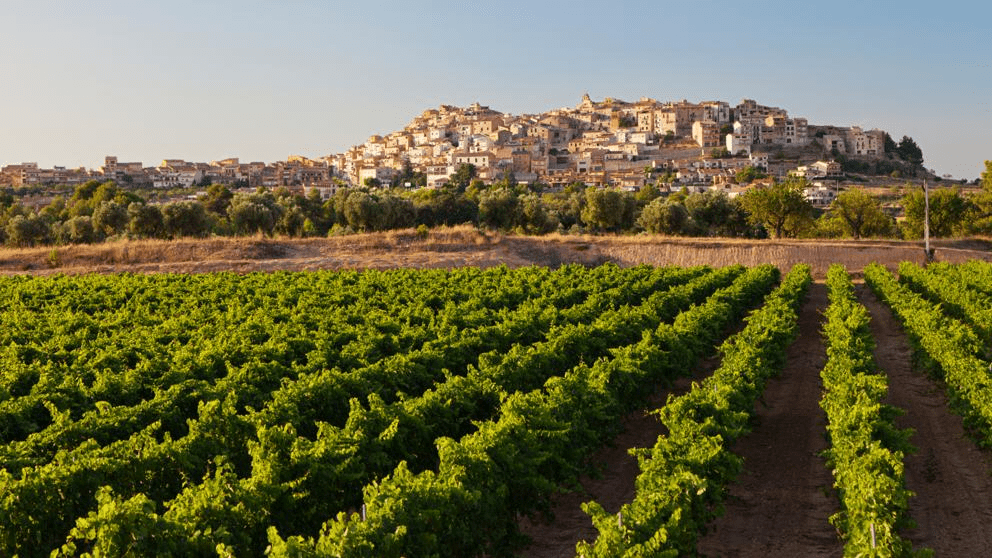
point(927, 252)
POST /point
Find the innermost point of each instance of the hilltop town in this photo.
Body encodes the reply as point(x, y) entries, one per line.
point(605, 143)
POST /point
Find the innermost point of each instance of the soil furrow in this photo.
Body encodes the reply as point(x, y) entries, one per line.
point(781, 502)
point(948, 473)
point(613, 487)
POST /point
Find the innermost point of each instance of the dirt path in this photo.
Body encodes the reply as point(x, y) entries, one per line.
point(951, 477)
point(461, 246)
point(782, 501)
point(612, 488)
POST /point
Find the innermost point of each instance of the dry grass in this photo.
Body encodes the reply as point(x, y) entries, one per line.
point(464, 245)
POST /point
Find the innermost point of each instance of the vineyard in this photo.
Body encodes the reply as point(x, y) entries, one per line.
point(427, 412)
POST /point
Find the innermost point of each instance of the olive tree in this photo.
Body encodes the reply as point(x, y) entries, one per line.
point(663, 216)
point(781, 208)
point(861, 214)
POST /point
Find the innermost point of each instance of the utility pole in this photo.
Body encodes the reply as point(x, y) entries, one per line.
point(927, 252)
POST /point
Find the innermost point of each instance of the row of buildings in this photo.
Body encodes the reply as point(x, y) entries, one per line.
point(175, 173)
point(609, 142)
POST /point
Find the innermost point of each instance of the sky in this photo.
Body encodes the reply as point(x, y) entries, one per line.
point(262, 80)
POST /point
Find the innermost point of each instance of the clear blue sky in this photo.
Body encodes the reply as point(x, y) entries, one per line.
point(261, 80)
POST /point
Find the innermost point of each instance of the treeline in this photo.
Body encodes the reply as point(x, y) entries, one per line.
point(96, 212)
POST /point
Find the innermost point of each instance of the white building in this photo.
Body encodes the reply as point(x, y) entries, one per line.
point(326, 191)
point(380, 174)
point(438, 175)
point(820, 195)
point(737, 144)
point(176, 179)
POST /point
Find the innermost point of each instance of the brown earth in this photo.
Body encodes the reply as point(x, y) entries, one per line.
point(463, 246)
point(612, 487)
point(781, 503)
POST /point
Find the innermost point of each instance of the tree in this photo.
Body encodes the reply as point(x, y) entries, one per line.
point(948, 213)
point(647, 193)
point(986, 178)
point(84, 191)
point(110, 218)
point(80, 230)
point(56, 210)
point(566, 206)
point(82, 201)
point(104, 193)
point(145, 220)
point(26, 230)
point(254, 213)
point(749, 174)
point(463, 176)
point(829, 226)
point(781, 208)
point(499, 208)
point(715, 214)
point(443, 206)
point(909, 151)
point(365, 211)
point(291, 221)
point(980, 222)
point(395, 212)
point(861, 214)
point(663, 216)
point(185, 218)
point(359, 210)
point(409, 176)
point(534, 215)
point(217, 199)
point(6, 199)
point(609, 209)
point(889, 144)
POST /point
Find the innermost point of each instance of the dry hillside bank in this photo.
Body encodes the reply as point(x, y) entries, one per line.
point(464, 246)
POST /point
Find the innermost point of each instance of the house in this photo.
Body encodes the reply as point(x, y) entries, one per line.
point(176, 178)
point(326, 190)
point(820, 169)
point(23, 174)
point(374, 147)
point(717, 111)
point(759, 161)
point(481, 160)
point(486, 125)
point(820, 195)
point(438, 174)
point(116, 170)
point(834, 141)
point(706, 133)
point(860, 142)
point(738, 143)
point(380, 174)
